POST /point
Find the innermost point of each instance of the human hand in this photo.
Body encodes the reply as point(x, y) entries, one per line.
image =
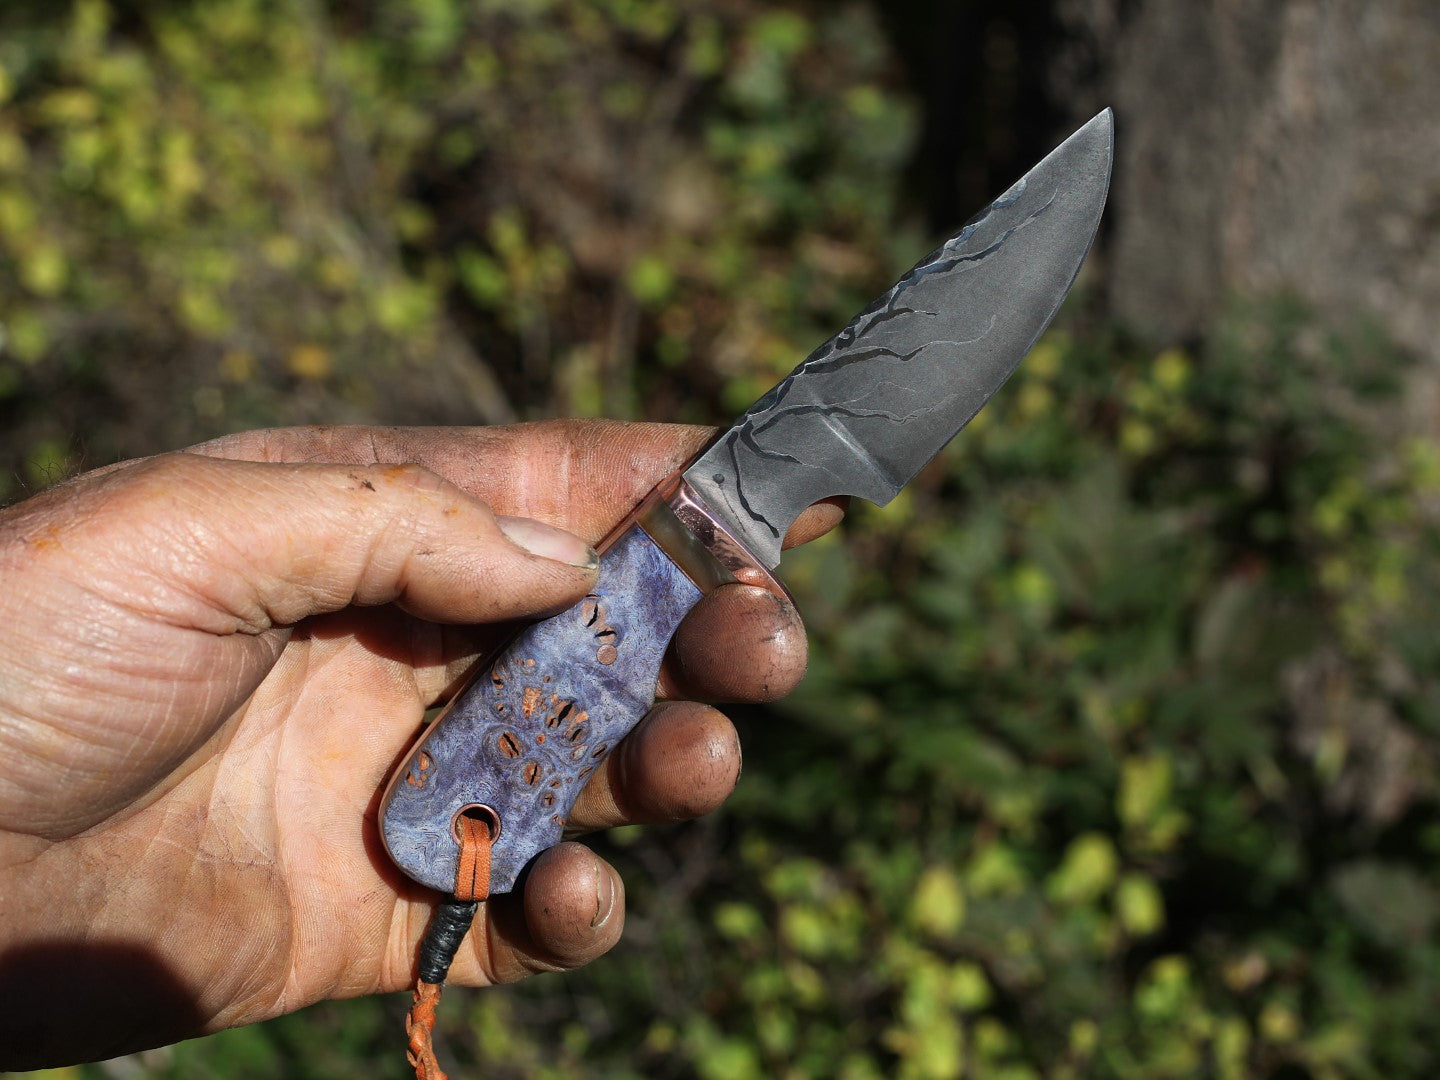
point(211, 662)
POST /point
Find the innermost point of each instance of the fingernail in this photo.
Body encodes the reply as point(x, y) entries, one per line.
point(548, 542)
point(604, 897)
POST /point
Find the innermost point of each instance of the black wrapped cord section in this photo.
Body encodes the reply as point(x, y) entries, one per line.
point(447, 929)
point(443, 936)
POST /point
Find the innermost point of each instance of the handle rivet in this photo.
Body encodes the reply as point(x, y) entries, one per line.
point(476, 812)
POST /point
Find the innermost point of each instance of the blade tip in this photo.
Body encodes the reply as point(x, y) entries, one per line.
point(1101, 125)
point(1098, 136)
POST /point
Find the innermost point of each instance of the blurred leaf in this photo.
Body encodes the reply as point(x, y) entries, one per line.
point(1087, 872)
point(650, 280)
point(48, 463)
point(309, 361)
point(1139, 905)
point(939, 904)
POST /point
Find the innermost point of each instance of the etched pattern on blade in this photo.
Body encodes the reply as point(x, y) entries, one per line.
point(867, 410)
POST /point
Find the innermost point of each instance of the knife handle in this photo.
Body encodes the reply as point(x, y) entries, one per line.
point(519, 741)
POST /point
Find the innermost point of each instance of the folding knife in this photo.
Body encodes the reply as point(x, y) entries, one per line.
point(861, 416)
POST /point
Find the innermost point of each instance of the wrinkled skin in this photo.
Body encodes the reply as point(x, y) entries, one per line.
point(211, 662)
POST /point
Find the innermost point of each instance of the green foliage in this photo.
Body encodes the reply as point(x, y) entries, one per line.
point(1121, 689)
point(425, 211)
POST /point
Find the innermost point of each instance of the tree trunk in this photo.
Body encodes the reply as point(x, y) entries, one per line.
point(1270, 146)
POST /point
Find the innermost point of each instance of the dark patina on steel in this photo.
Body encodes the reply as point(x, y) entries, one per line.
point(870, 407)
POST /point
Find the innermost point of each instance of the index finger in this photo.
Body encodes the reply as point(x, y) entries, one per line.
point(579, 475)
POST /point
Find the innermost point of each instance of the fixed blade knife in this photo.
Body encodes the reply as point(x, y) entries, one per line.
point(860, 416)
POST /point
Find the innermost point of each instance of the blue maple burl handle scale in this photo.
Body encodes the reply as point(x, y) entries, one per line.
point(518, 743)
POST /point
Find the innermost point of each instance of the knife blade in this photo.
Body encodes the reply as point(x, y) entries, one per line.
point(860, 416)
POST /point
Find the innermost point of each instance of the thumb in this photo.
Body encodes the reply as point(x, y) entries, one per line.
point(249, 545)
